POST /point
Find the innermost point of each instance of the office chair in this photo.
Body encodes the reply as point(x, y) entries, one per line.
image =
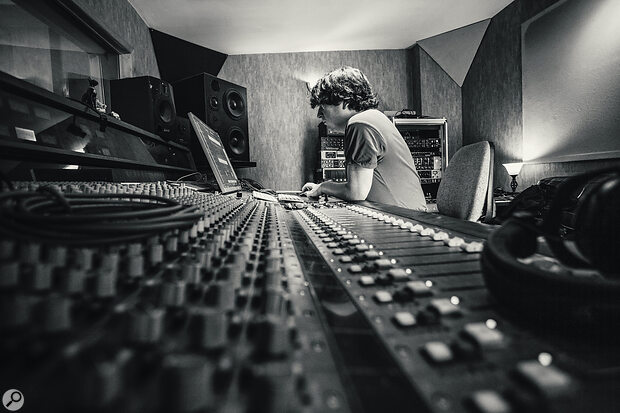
point(466, 189)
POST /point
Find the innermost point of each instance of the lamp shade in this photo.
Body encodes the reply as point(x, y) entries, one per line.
point(513, 168)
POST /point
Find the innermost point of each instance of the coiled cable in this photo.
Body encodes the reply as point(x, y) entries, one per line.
point(48, 216)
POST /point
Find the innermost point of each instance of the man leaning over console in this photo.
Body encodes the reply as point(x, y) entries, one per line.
point(378, 162)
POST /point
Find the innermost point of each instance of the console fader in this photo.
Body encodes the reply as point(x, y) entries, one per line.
point(416, 278)
point(238, 305)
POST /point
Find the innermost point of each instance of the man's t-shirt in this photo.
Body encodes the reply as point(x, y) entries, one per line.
point(372, 141)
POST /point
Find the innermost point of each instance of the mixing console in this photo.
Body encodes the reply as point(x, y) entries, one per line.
point(207, 315)
point(155, 297)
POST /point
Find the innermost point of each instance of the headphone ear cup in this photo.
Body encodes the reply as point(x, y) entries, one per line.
point(553, 220)
point(520, 237)
point(597, 225)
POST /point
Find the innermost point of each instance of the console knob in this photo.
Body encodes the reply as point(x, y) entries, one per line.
point(173, 293)
point(222, 295)
point(83, 258)
point(105, 283)
point(272, 263)
point(232, 273)
point(212, 328)
point(156, 254)
point(40, 279)
point(190, 272)
point(72, 281)
point(135, 265)
point(272, 338)
point(274, 301)
point(271, 389)
point(56, 313)
point(273, 278)
point(146, 325)
point(186, 383)
point(57, 256)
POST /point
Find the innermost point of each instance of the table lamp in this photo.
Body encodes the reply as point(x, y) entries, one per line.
point(513, 170)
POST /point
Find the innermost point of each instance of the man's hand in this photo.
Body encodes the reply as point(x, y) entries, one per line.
point(311, 189)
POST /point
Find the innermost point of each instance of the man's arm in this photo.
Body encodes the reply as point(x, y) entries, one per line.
point(357, 187)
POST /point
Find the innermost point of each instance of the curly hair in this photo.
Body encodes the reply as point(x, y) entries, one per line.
point(348, 85)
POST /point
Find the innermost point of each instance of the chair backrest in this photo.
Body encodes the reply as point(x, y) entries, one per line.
point(466, 189)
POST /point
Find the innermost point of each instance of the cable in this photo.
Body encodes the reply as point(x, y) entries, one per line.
point(188, 175)
point(48, 216)
point(252, 185)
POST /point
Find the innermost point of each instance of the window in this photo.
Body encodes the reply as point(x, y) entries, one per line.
point(40, 43)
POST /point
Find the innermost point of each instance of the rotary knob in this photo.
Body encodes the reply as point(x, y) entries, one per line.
point(105, 283)
point(223, 295)
point(211, 328)
point(271, 387)
point(173, 293)
point(55, 313)
point(72, 281)
point(186, 383)
point(40, 279)
point(191, 272)
point(83, 258)
point(146, 325)
point(272, 338)
point(274, 300)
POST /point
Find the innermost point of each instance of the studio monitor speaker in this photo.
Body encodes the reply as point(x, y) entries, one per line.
point(220, 104)
point(145, 102)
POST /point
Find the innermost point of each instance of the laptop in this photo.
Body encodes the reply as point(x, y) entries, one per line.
point(216, 155)
point(222, 168)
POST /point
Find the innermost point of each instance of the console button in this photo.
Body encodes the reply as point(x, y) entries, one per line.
point(489, 401)
point(438, 352)
point(404, 319)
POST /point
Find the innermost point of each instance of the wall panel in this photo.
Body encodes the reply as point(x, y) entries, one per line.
point(492, 91)
point(440, 96)
point(121, 18)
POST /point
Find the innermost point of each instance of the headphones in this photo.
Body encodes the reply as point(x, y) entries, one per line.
point(582, 230)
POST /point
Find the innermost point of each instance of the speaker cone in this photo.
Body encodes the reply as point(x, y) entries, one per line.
point(214, 103)
point(235, 105)
point(237, 141)
point(166, 112)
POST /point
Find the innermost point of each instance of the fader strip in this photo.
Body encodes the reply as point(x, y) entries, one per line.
point(421, 290)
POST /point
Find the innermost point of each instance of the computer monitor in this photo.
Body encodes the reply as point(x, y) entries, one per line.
point(216, 155)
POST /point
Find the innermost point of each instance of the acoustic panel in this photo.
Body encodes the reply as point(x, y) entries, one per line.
point(455, 50)
point(179, 59)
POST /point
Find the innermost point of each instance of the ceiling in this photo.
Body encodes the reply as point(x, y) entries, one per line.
point(276, 26)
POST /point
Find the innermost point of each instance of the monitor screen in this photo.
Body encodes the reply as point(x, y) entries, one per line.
point(216, 155)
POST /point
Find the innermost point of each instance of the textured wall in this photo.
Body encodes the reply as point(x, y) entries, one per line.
point(440, 96)
point(531, 174)
point(121, 19)
point(283, 128)
point(571, 82)
point(492, 98)
point(492, 91)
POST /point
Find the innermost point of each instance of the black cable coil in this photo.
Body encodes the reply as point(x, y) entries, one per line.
point(49, 216)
